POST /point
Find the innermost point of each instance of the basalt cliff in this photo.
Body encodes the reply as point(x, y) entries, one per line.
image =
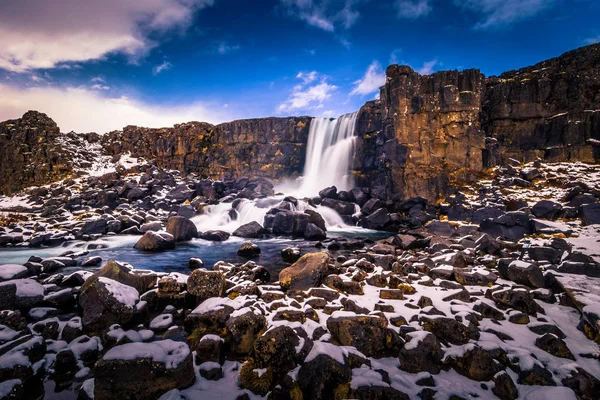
point(426, 134)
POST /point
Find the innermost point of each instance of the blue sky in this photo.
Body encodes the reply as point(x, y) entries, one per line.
point(99, 65)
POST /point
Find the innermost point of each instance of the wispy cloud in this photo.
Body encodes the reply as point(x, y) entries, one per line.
point(47, 34)
point(371, 81)
point(224, 48)
point(427, 67)
point(412, 9)
point(592, 40)
point(308, 95)
point(98, 86)
point(164, 66)
point(394, 56)
point(328, 15)
point(500, 13)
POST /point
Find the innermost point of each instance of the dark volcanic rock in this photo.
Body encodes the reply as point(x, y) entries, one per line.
point(181, 228)
point(155, 241)
point(251, 230)
point(305, 273)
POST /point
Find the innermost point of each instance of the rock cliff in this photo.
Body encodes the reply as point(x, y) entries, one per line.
point(31, 152)
point(428, 133)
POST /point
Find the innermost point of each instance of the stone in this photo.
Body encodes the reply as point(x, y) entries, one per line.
point(313, 232)
point(504, 387)
point(251, 230)
point(22, 294)
point(305, 273)
point(194, 263)
point(96, 226)
point(214, 236)
point(554, 345)
point(525, 273)
point(290, 254)
point(181, 228)
point(376, 220)
point(329, 192)
point(155, 241)
point(276, 349)
point(125, 274)
point(543, 253)
point(248, 250)
point(143, 370)
point(243, 330)
point(422, 352)
point(105, 302)
point(369, 334)
point(475, 364)
point(320, 378)
point(449, 330)
point(206, 284)
point(546, 209)
point(590, 214)
point(519, 299)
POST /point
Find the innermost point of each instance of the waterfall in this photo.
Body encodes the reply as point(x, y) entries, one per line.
point(329, 152)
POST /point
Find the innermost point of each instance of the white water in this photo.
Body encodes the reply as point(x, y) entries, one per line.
point(329, 151)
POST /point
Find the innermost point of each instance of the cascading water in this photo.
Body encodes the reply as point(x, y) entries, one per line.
point(329, 152)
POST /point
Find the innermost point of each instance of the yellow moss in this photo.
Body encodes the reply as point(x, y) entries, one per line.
point(233, 295)
point(278, 153)
point(296, 392)
point(406, 288)
point(342, 392)
point(301, 124)
point(249, 378)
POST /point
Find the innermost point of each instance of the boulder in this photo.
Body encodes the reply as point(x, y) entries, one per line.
point(276, 349)
point(251, 230)
point(590, 214)
point(554, 345)
point(243, 330)
point(290, 254)
point(525, 273)
point(320, 377)
point(305, 273)
point(125, 274)
point(422, 352)
point(377, 220)
point(12, 271)
point(369, 334)
point(449, 330)
point(205, 284)
point(105, 302)
point(341, 207)
point(546, 209)
point(214, 236)
point(181, 228)
point(313, 232)
point(143, 370)
point(519, 299)
point(248, 250)
point(21, 294)
point(155, 241)
point(96, 226)
point(328, 192)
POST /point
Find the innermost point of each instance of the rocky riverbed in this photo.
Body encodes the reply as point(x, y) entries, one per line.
point(492, 292)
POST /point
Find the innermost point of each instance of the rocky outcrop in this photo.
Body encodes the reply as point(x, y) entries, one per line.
point(272, 148)
point(31, 153)
point(428, 133)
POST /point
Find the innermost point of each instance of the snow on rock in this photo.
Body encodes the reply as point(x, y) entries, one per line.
point(12, 271)
point(167, 352)
point(122, 293)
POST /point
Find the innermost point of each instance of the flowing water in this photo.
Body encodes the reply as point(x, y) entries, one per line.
point(329, 153)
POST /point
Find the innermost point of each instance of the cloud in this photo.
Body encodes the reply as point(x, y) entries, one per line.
point(412, 9)
point(308, 95)
point(224, 48)
point(394, 56)
point(592, 40)
point(370, 83)
point(100, 87)
point(499, 13)
point(48, 34)
point(427, 67)
point(84, 110)
point(328, 15)
point(161, 67)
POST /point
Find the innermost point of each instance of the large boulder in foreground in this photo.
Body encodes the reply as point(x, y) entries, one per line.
point(155, 241)
point(143, 370)
point(181, 228)
point(305, 273)
point(105, 302)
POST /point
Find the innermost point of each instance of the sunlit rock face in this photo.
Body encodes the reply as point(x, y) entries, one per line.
point(30, 153)
point(272, 148)
point(429, 133)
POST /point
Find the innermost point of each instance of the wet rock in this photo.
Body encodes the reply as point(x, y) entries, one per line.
point(96, 226)
point(369, 334)
point(290, 254)
point(376, 220)
point(12, 271)
point(329, 192)
point(422, 352)
point(105, 302)
point(251, 230)
point(205, 284)
point(143, 370)
point(91, 261)
point(305, 273)
point(194, 263)
point(181, 228)
point(313, 232)
point(248, 250)
point(214, 236)
point(155, 241)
